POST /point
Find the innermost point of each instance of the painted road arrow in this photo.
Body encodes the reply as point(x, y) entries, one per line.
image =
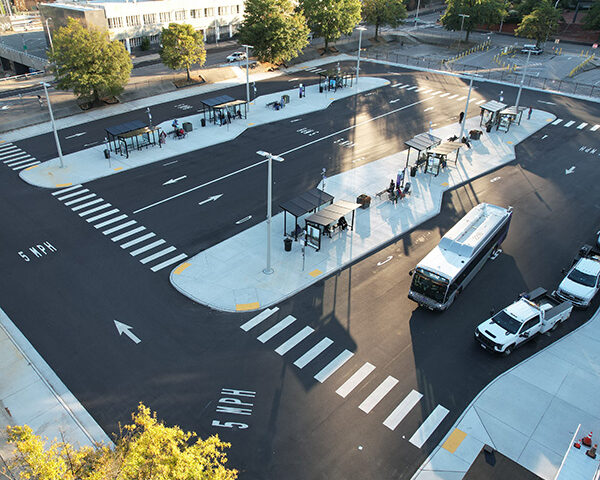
point(245, 219)
point(125, 329)
point(174, 180)
point(379, 264)
point(211, 199)
point(569, 171)
point(76, 135)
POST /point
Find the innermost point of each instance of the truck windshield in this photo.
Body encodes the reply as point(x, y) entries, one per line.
point(582, 278)
point(506, 322)
point(429, 284)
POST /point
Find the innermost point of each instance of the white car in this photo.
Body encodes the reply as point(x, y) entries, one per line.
point(583, 279)
point(534, 49)
point(236, 57)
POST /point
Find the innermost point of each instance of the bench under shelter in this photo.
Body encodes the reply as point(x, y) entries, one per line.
point(216, 107)
point(439, 156)
point(421, 143)
point(131, 135)
point(308, 202)
point(490, 113)
point(326, 217)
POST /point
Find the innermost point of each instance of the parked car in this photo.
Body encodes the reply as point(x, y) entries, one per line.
point(582, 281)
point(236, 57)
point(534, 49)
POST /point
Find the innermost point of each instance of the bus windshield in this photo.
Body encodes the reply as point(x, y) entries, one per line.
point(430, 285)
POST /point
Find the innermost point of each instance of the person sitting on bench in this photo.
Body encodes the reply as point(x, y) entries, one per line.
point(392, 186)
point(180, 132)
point(342, 223)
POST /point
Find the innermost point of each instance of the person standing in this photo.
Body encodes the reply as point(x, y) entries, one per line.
point(529, 113)
point(461, 117)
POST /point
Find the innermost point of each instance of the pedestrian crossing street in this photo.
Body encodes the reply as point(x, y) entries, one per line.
point(15, 158)
point(141, 244)
point(326, 348)
point(578, 125)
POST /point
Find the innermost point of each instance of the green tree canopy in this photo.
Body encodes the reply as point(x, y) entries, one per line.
point(182, 47)
point(331, 19)
point(479, 12)
point(383, 12)
point(540, 23)
point(88, 63)
point(274, 29)
point(145, 449)
point(592, 19)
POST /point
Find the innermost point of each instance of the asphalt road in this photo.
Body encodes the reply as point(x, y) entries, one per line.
point(66, 301)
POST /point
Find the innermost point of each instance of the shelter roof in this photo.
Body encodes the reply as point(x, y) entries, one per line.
point(446, 148)
point(125, 127)
point(306, 202)
point(332, 213)
point(493, 106)
point(423, 141)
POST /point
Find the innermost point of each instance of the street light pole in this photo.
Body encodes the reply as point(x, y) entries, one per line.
point(360, 30)
point(49, 36)
point(270, 157)
point(522, 81)
point(417, 14)
point(247, 76)
point(60, 155)
point(462, 125)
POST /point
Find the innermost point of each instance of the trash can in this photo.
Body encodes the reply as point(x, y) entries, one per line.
point(203, 122)
point(320, 88)
point(488, 128)
point(364, 200)
point(106, 153)
point(187, 126)
point(287, 244)
point(413, 171)
point(474, 134)
point(285, 98)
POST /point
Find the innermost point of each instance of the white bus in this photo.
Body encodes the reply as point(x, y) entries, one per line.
point(447, 269)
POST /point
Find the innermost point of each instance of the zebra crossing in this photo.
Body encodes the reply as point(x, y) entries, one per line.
point(15, 158)
point(141, 244)
point(305, 335)
point(571, 123)
point(439, 93)
point(315, 69)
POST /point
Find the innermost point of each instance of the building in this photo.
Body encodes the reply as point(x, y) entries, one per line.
point(130, 22)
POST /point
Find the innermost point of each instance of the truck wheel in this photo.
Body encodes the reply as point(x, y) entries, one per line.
point(555, 326)
point(509, 350)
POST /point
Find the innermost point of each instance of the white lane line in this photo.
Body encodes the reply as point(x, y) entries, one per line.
point(166, 263)
point(275, 329)
point(119, 227)
point(357, 377)
point(557, 121)
point(594, 128)
point(150, 246)
point(141, 239)
point(414, 87)
point(70, 195)
point(262, 316)
point(480, 102)
point(313, 352)
point(452, 96)
point(65, 190)
point(88, 204)
point(102, 215)
point(156, 255)
point(569, 123)
point(95, 209)
point(112, 220)
point(129, 233)
point(581, 126)
point(444, 95)
point(428, 426)
point(333, 366)
point(37, 162)
point(293, 341)
point(377, 395)
point(81, 199)
point(402, 409)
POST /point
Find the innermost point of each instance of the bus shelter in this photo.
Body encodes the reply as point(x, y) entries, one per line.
point(131, 135)
point(307, 202)
point(508, 116)
point(421, 143)
point(334, 79)
point(438, 157)
point(219, 107)
point(327, 220)
point(490, 113)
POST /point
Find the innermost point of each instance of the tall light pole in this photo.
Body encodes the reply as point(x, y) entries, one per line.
point(522, 80)
point(462, 22)
point(49, 36)
point(247, 76)
point(462, 125)
point(360, 30)
point(60, 155)
point(268, 270)
point(417, 14)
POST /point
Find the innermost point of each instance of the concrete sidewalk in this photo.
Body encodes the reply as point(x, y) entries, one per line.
point(531, 412)
point(229, 276)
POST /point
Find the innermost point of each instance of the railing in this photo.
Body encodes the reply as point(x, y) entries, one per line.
point(21, 77)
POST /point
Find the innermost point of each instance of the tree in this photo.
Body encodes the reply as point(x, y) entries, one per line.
point(592, 19)
point(182, 47)
point(540, 23)
point(146, 449)
point(87, 62)
point(480, 12)
point(331, 19)
point(383, 12)
point(274, 29)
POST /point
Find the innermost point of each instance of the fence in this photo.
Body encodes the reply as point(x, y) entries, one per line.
point(502, 75)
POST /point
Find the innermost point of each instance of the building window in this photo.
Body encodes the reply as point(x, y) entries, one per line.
point(237, 8)
point(155, 38)
point(209, 12)
point(132, 20)
point(196, 13)
point(223, 10)
point(165, 17)
point(135, 42)
point(115, 22)
point(180, 15)
point(149, 18)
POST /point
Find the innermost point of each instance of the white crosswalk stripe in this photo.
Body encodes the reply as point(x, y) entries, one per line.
point(311, 354)
point(294, 340)
point(120, 227)
point(460, 99)
point(412, 88)
point(435, 93)
point(595, 127)
point(557, 121)
point(88, 204)
point(10, 149)
point(480, 102)
point(135, 241)
point(20, 161)
point(27, 165)
point(377, 395)
point(262, 316)
point(15, 156)
point(398, 414)
point(156, 255)
point(169, 262)
point(428, 426)
point(74, 194)
point(275, 329)
point(102, 215)
point(80, 199)
point(5, 145)
point(128, 234)
point(403, 86)
point(569, 123)
point(65, 190)
point(333, 366)
point(95, 209)
point(110, 221)
point(145, 248)
point(444, 94)
point(451, 97)
point(356, 378)
point(581, 126)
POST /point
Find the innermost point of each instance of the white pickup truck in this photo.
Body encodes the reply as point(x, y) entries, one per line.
point(533, 313)
point(582, 281)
